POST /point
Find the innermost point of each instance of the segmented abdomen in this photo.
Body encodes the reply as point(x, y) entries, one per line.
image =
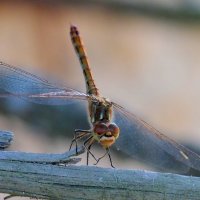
point(77, 43)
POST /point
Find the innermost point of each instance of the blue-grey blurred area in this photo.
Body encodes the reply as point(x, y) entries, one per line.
point(144, 55)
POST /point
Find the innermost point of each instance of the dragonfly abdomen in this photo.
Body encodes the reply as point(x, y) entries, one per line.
point(78, 46)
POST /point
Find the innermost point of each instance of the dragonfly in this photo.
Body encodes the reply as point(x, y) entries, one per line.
point(111, 125)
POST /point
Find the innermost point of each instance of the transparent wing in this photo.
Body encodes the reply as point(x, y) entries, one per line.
point(144, 143)
point(19, 83)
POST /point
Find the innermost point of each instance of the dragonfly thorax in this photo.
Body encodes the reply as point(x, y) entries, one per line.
point(100, 110)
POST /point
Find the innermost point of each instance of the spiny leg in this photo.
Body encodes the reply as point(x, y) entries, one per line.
point(90, 140)
point(8, 197)
point(101, 157)
point(78, 134)
point(107, 152)
point(88, 152)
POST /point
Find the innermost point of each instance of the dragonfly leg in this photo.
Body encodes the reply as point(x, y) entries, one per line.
point(8, 197)
point(101, 158)
point(111, 163)
point(107, 152)
point(78, 134)
point(88, 152)
point(89, 142)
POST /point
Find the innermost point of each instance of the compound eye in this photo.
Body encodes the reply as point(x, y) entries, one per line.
point(100, 128)
point(114, 129)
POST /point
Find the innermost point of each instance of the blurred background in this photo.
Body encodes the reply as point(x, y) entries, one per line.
point(144, 55)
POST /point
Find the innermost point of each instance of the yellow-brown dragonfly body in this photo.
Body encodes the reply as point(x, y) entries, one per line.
point(100, 108)
point(137, 138)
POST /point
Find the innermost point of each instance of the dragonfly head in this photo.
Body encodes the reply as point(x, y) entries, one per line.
point(107, 133)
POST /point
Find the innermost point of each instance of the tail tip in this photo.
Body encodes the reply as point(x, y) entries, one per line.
point(73, 28)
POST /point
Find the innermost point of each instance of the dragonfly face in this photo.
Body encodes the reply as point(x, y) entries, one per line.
point(106, 133)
